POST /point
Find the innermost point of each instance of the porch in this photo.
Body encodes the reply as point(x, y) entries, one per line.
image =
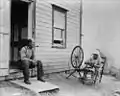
point(68, 87)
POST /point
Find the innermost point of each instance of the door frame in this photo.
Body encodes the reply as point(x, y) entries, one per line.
point(31, 21)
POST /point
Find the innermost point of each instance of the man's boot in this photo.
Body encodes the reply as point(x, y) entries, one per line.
point(40, 71)
point(27, 82)
point(26, 72)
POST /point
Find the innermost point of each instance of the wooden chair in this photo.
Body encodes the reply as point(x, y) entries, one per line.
point(95, 72)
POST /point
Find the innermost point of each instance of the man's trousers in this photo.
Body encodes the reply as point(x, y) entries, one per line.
point(26, 64)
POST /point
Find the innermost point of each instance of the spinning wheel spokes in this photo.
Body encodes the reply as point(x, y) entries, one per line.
point(77, 57)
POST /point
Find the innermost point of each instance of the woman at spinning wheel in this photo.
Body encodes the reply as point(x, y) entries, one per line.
point(93, 63)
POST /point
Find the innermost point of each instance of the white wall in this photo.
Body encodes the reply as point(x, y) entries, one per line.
point(56, 59)
point(4, 36)
point(101, 28)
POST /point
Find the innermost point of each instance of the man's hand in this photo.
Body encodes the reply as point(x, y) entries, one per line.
point(34, 61)
point(31, 60)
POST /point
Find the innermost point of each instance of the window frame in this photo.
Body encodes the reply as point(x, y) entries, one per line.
point(63, 44)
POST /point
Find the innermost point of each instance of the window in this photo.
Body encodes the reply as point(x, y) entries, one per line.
point(59, 27)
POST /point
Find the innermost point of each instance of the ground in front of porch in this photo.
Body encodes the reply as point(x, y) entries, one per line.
point(68, 87)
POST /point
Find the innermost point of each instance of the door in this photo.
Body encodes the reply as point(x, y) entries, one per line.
point(21, 27)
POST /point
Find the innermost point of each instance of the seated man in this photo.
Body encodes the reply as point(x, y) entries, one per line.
point(93, 63)
point(28, 61)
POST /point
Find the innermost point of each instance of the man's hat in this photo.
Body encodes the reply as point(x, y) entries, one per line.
point(31, 40)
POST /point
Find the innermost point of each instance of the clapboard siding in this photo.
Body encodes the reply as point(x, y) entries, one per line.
point(1, 16)
point(56, 59)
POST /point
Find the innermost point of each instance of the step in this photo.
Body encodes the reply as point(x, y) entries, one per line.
point(16, 74)
point(37, 86)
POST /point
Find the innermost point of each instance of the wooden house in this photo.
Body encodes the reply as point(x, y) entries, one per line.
point(53, 24)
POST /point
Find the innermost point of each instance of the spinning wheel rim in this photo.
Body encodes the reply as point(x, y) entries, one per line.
point(77, 57)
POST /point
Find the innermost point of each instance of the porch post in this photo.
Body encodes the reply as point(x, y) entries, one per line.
point(4, 36)
point(31, 19)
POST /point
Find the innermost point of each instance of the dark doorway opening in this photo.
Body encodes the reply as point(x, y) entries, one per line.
point(19, 29)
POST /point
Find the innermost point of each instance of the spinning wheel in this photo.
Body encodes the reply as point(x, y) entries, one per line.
point(88, 74)
point(77, 57)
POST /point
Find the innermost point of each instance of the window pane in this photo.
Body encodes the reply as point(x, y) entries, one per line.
point(59, 19)
point(57, 34)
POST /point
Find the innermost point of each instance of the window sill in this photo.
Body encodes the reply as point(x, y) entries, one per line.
point(58, 47)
